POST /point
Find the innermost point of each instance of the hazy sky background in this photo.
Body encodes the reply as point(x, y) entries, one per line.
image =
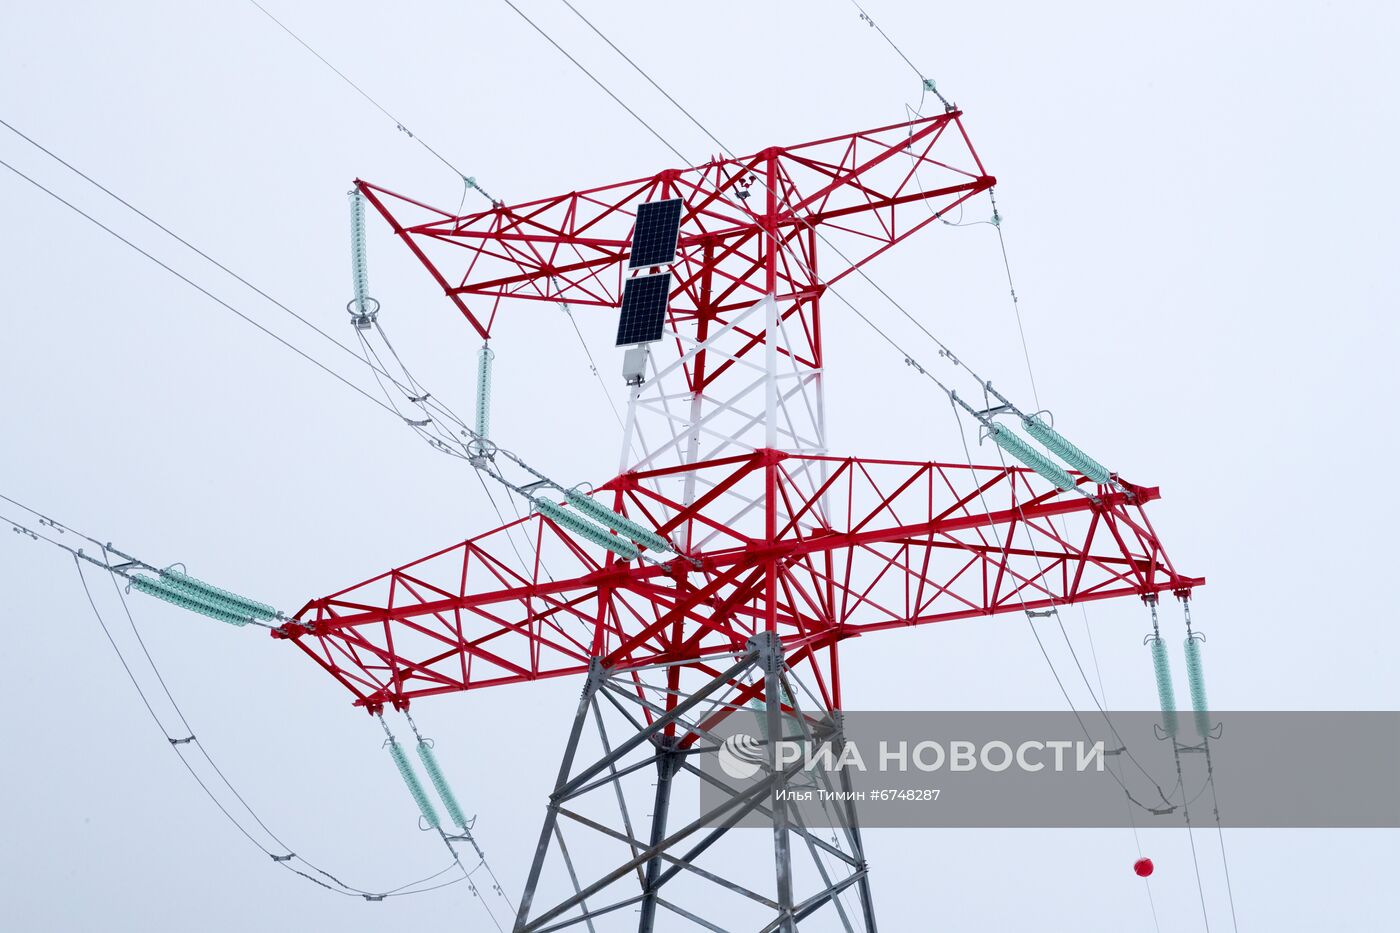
point(1199, 204)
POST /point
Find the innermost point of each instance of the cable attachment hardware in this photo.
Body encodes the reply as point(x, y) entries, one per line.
point(931, 87)
point(472, 185)
point(185, 741)
point(283, 858)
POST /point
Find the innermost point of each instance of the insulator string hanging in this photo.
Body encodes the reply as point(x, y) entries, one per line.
point(1161, 666)
point(444, 790)
point(1197, 682)
point(483, 391)
point(362, 307)
point(410, 779)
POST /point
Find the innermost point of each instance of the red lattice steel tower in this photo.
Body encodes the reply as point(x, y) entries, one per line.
point(785, 547)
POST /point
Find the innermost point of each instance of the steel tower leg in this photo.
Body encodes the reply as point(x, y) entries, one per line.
point(667, 758)
point(770, 659)
point(867, 903)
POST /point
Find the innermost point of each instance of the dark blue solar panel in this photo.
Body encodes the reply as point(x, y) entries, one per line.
point(643, 315)
point(654, 236)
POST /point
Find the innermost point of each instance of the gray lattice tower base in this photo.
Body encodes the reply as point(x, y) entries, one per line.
point(639, 736)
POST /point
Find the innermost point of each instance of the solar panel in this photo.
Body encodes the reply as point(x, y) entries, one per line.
point(654, 236)
point(643, 309)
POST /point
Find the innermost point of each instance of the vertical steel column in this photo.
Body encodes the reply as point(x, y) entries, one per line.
point(770, 659)
point(667, 764)
point(867, 903)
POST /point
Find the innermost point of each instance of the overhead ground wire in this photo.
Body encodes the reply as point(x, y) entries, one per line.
point(468, 182)
point(196, 286)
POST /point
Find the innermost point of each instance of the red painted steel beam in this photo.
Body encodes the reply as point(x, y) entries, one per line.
point(901, 544)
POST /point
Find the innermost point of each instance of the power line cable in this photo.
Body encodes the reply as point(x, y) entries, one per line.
point(603, 87)
point(196, 286)
point(467, 180)
point(868, 20)
point(171, 233)
point(380, 371)
point(377, 367)
point(1132, 818)
point(177, 742)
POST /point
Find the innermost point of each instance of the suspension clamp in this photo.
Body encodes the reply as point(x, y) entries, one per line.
point(362, 317)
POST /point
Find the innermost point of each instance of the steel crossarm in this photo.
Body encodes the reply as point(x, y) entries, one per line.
point(881, 544)
point(750, 226)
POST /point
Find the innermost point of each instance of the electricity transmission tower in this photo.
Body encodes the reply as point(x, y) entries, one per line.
point(782, 550)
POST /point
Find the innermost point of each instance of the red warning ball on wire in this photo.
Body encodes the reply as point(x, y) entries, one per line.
point(1143, 867)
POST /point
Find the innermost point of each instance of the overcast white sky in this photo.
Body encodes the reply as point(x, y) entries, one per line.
point(1200, 209)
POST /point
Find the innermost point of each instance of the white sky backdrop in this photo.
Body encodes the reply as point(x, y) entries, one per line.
point(1200, 210)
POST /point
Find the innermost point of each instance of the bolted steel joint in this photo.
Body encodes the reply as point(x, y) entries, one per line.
point(769, 648)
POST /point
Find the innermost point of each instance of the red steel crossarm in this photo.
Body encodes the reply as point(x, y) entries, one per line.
point(571, 247)
point(900, 544)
